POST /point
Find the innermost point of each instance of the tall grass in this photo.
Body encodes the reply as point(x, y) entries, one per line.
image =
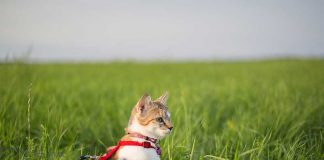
point(258, 110)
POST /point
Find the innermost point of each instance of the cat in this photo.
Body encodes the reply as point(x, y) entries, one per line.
point(149, 122)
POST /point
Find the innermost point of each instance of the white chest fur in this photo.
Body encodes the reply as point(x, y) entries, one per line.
point(137, 153)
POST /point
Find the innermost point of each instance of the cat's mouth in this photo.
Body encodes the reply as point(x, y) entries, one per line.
point(168, 131)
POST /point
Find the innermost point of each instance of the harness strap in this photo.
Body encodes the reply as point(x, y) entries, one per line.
point(125, 143)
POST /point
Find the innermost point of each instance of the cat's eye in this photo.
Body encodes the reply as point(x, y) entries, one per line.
point(159, 119)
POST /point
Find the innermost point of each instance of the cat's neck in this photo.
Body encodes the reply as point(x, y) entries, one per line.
point(135, 127)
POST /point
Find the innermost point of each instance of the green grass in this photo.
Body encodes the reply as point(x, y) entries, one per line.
point(256, 110)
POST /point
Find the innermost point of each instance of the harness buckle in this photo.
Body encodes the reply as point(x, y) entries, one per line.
point(146, 144)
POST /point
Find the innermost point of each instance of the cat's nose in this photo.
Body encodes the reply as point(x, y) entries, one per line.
point(170, 128)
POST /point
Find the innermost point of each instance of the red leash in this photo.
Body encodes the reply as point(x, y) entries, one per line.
point(145, 144)
point(129, 143)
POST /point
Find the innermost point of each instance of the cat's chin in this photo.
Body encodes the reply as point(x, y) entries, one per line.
point(162, 133)
point(158, 134)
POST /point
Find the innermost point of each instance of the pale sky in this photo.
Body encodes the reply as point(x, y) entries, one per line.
point(152, 29)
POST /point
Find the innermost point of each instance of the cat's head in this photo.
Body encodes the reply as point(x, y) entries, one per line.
point(151, 118)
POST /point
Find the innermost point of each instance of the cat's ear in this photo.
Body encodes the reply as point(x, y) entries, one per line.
point(143, 103)
point(164, 98)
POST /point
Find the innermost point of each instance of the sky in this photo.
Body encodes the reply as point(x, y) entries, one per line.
point(161, 30)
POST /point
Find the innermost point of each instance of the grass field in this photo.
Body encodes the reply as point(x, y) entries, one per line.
point(238, 110)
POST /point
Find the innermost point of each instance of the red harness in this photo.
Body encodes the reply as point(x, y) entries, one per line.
point(132, 143)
